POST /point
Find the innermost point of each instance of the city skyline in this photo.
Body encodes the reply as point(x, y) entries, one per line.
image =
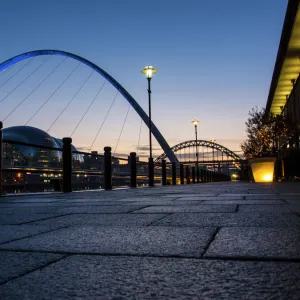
point(212, 65)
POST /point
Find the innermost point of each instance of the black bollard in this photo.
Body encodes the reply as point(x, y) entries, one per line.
point(181, 174)
point(151, 171)
point(133, 169)
point(107, 168)
point(173, 173)
point(1, 158)
point(198, 174)
point(67, 164)
point(202, 175)
point(188, 181)
point(164, 172)
point(193, 175)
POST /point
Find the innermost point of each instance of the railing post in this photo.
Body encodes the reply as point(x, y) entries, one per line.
point(133, 169)
point(174, 173)
point(202, 175)
point(1, 158)
point(181, 174)
point(151, 171)
point(198, 174)
point(107, 168)
point(187, 175)
point(164, 172)
point(67, 164)
point(193, 175)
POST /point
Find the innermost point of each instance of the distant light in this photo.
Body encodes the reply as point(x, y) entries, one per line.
point(19, 175)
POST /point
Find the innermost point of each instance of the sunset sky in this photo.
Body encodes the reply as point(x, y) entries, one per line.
point(215, 61)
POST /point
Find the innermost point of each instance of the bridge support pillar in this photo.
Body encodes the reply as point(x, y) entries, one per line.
point(193, 175)
point(173, 173)
point(107, 168)
point(1, 158)
point(67, 164)
point(181, 174)
point(151, 171)
point(133, 169)
point(164, 172)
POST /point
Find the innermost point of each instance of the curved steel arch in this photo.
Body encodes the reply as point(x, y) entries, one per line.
point(161, 140)
point(204, 143)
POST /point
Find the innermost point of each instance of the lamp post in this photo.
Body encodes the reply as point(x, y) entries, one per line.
point(213, 141)
point(196, 122)
point(149, 71)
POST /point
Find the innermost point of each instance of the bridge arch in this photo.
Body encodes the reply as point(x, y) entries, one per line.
point(204, 143)
point(161, 140)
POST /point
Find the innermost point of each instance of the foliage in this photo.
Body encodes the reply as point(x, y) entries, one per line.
point(264, 132)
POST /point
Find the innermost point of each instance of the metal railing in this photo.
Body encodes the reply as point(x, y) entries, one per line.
point(63, 169)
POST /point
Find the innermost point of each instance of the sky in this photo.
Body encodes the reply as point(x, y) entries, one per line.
point(215, 61)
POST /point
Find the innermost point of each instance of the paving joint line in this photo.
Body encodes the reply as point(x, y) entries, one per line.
point(25, 223)
point(35, 269)
point(212, 238)
point(153, 222)
point(163, 256)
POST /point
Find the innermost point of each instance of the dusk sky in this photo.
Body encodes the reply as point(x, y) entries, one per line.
point(215, 61)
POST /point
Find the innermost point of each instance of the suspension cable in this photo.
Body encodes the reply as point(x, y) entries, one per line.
point(71, 100)
point(122, 128)
point(138, 146)
point(25, 79)
point(111, 105)
point(62, 83)
point(5, 70)
point(88, 108)
point(20, 69)
point(36, 88)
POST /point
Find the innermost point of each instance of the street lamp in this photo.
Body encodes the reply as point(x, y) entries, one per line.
point(213, 141)
point(196, 122)
point(149, 71)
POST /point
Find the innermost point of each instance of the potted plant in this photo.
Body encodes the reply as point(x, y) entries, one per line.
point(264, 133)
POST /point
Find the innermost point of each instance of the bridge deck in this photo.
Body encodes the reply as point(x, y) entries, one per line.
point(212, 241)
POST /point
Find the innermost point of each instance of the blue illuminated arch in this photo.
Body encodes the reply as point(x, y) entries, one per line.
point(163, 143)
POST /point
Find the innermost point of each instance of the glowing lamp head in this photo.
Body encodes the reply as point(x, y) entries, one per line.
point(213, 140)
point(195, 122)
point(149, 71)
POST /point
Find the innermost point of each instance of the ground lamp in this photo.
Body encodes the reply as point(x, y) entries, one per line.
point(149, 71)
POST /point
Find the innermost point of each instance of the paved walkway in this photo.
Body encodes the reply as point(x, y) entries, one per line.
point(205, 241)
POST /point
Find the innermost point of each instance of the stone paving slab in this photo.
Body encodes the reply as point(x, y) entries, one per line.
point(101, 219)
point(15, 264)
point(239, 219)
point(21, 218)
point(93, 278)
point(273, 243)
point(95, 209)
point(188, 208)
point(293, 201)
point(163, 241)
point(266, 208)
point(245, 202)
point(13, 232)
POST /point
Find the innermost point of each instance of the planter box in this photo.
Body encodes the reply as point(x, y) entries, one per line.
point(262, 168)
